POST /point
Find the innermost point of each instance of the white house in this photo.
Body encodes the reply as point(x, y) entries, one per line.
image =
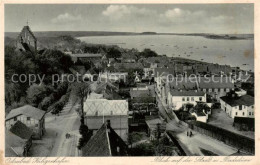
point(215, 86)
point(177, 98)
point(240, 106)
point(200, 116)
point(113, 76)
point(32, 117)
point(240, 92)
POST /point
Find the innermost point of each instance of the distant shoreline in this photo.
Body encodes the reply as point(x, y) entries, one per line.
point(105, 33)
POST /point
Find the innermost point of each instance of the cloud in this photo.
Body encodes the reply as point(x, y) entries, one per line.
point(66, 18)
point(199, 18)
point(221, 19)
point(175, 19)
point(178, 15)
point(116, 12)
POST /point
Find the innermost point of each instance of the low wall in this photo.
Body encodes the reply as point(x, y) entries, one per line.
point(183, 153)
point(235, 140)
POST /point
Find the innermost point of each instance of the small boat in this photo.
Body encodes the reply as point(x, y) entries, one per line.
point(202, 59)
point(204, 46)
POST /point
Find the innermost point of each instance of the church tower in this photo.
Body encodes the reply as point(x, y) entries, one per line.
point(26, 41)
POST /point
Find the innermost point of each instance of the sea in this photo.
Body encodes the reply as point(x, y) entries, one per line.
point(236, 53)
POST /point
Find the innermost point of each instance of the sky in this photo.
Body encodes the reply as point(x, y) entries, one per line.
point(172, 18)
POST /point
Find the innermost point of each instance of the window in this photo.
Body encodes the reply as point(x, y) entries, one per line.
point(28, 118)
point(252, 113)
point(188, 99)
point(240, 107)
point(236, 113)
point(252, 106)
point(200, 98)
point(183, 99)
point(249, 113)
point(96, 113)
point(192, 98)
point(15, 118)
point(36, 125)
point(243, 113)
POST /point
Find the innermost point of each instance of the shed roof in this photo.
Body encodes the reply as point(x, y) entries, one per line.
point(21, 130)
point(242, 100)
point(215, 82)
point(186, 93)
point(105, 142)
point(26, 110)
point(14, 145)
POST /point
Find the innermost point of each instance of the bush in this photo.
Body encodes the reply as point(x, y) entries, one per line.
point(58, 106)
point(36, 93)
point(144, 149)
point(46, 102)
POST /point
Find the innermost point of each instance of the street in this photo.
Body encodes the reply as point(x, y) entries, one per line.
point(67, 122)
point(192, 145)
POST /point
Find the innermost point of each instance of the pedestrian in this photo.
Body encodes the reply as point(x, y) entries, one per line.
point(190, 133)
point(187, 133)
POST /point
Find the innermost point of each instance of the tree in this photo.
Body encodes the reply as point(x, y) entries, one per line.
point(81, 143)
point(113, 53)
point(36, 93)
point(83, 130)
point(148, 53)
point(80, 91)
point(46, 102)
